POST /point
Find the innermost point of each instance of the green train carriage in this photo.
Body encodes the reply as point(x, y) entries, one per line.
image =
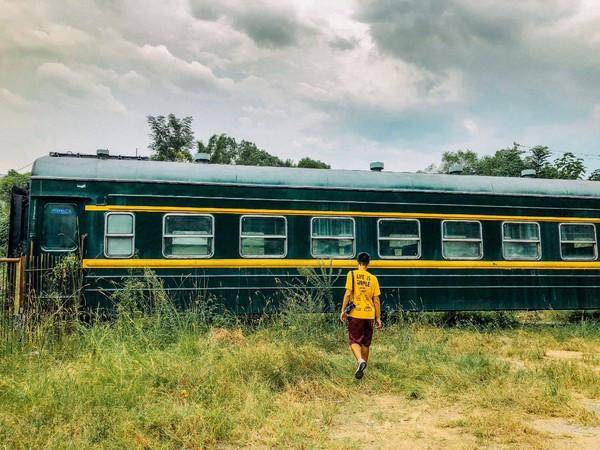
point(438, 242)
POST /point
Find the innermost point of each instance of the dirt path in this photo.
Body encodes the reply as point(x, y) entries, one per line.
point(561, 434)
point(393, 422)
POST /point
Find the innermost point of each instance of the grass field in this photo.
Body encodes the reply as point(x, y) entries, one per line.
point(166, 380)
point(156, 377)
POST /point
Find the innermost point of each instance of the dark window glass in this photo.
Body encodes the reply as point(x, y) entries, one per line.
point(461, 240)
point(521, 241)
point(59, 228)
point(578, 241)
point(399, 238)
point(462, 230)
point(119, 235)
point(332, 237)
point(263, 236)
point(188, 235)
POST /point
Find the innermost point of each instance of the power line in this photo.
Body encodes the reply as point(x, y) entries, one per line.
point(556, 152)
point(25, 167)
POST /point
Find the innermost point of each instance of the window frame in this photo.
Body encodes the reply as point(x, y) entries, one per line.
point(538, 241)
point(212, 236)
point(379, 238)
point(480, 240)
point(74, 206)
point(129, 235)
point(267, 216)
point(312, 220)
point(561, 242)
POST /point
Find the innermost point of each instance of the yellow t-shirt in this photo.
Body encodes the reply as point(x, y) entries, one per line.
point(366, 288)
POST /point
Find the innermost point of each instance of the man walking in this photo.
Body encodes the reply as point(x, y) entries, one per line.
point(361, 306)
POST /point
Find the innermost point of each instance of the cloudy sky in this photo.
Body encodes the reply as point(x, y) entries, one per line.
point(344, 81)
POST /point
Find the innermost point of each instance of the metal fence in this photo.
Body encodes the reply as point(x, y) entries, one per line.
point(11, 293)
point(34, 288)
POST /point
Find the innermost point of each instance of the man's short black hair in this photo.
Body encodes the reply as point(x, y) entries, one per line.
point(364, 258)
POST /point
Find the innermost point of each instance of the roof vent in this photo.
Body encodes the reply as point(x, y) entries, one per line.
point(102, 153)
point(377, 166)
point(528, 173)
point(202, 158)
point(456, 169)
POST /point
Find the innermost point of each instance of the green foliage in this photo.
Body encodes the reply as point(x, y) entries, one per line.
point(509, 162)
point(309, 163)
point(171, 138)
point(539, 160)
point(12, 179)
point(149, 381)
point(595, 176)
point(250, 155)
point(569, 167)
point(466, 158)
point(224, 149)
point(506, 162)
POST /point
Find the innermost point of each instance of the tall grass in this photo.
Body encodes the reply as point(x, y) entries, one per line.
point(156, 376)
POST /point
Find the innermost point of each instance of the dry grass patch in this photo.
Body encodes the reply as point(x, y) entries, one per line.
point(387, 421)
point(167, 383)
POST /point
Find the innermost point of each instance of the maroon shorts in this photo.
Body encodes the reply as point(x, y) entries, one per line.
point(360, 331)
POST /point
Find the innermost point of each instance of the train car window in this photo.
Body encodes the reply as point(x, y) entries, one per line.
point(59, 232)
point(521, 241)
point(188, 235)
point(263, 236)
point(119, 235)
point(332, 237)
point(462, 239)
point(578, 241)
point(399, 238)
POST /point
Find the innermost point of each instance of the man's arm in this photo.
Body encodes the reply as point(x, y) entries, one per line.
point(377, 304)
point(347, 296)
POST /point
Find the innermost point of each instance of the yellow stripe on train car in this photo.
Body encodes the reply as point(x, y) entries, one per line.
point(314, 212)
point(334, 263)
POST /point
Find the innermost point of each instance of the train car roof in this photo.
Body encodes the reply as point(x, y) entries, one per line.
point(132, 170)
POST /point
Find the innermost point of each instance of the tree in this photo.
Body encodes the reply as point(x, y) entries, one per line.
point(171, 138)
point(569, 167)
point(539, 160)
point(224, 149)
point(248, 154)
point(466, 158)
point(595, 176)
point(506, 162)
point(7, 182)
point(309, 163)
point(511, 161)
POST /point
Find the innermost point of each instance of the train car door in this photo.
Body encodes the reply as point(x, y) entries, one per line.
point(17, 225)
point(59, 226)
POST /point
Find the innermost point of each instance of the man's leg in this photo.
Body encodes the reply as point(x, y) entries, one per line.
point(367, 337)
point(356, 328)
point(364, 351)
point(356, 351)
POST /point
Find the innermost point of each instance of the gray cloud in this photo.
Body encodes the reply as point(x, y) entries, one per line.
point(341, 43)
point(401, 81)
point(269, 24)
point(459, 33)
point(525, 49)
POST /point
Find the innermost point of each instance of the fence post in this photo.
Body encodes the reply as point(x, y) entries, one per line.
point(18, 283)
